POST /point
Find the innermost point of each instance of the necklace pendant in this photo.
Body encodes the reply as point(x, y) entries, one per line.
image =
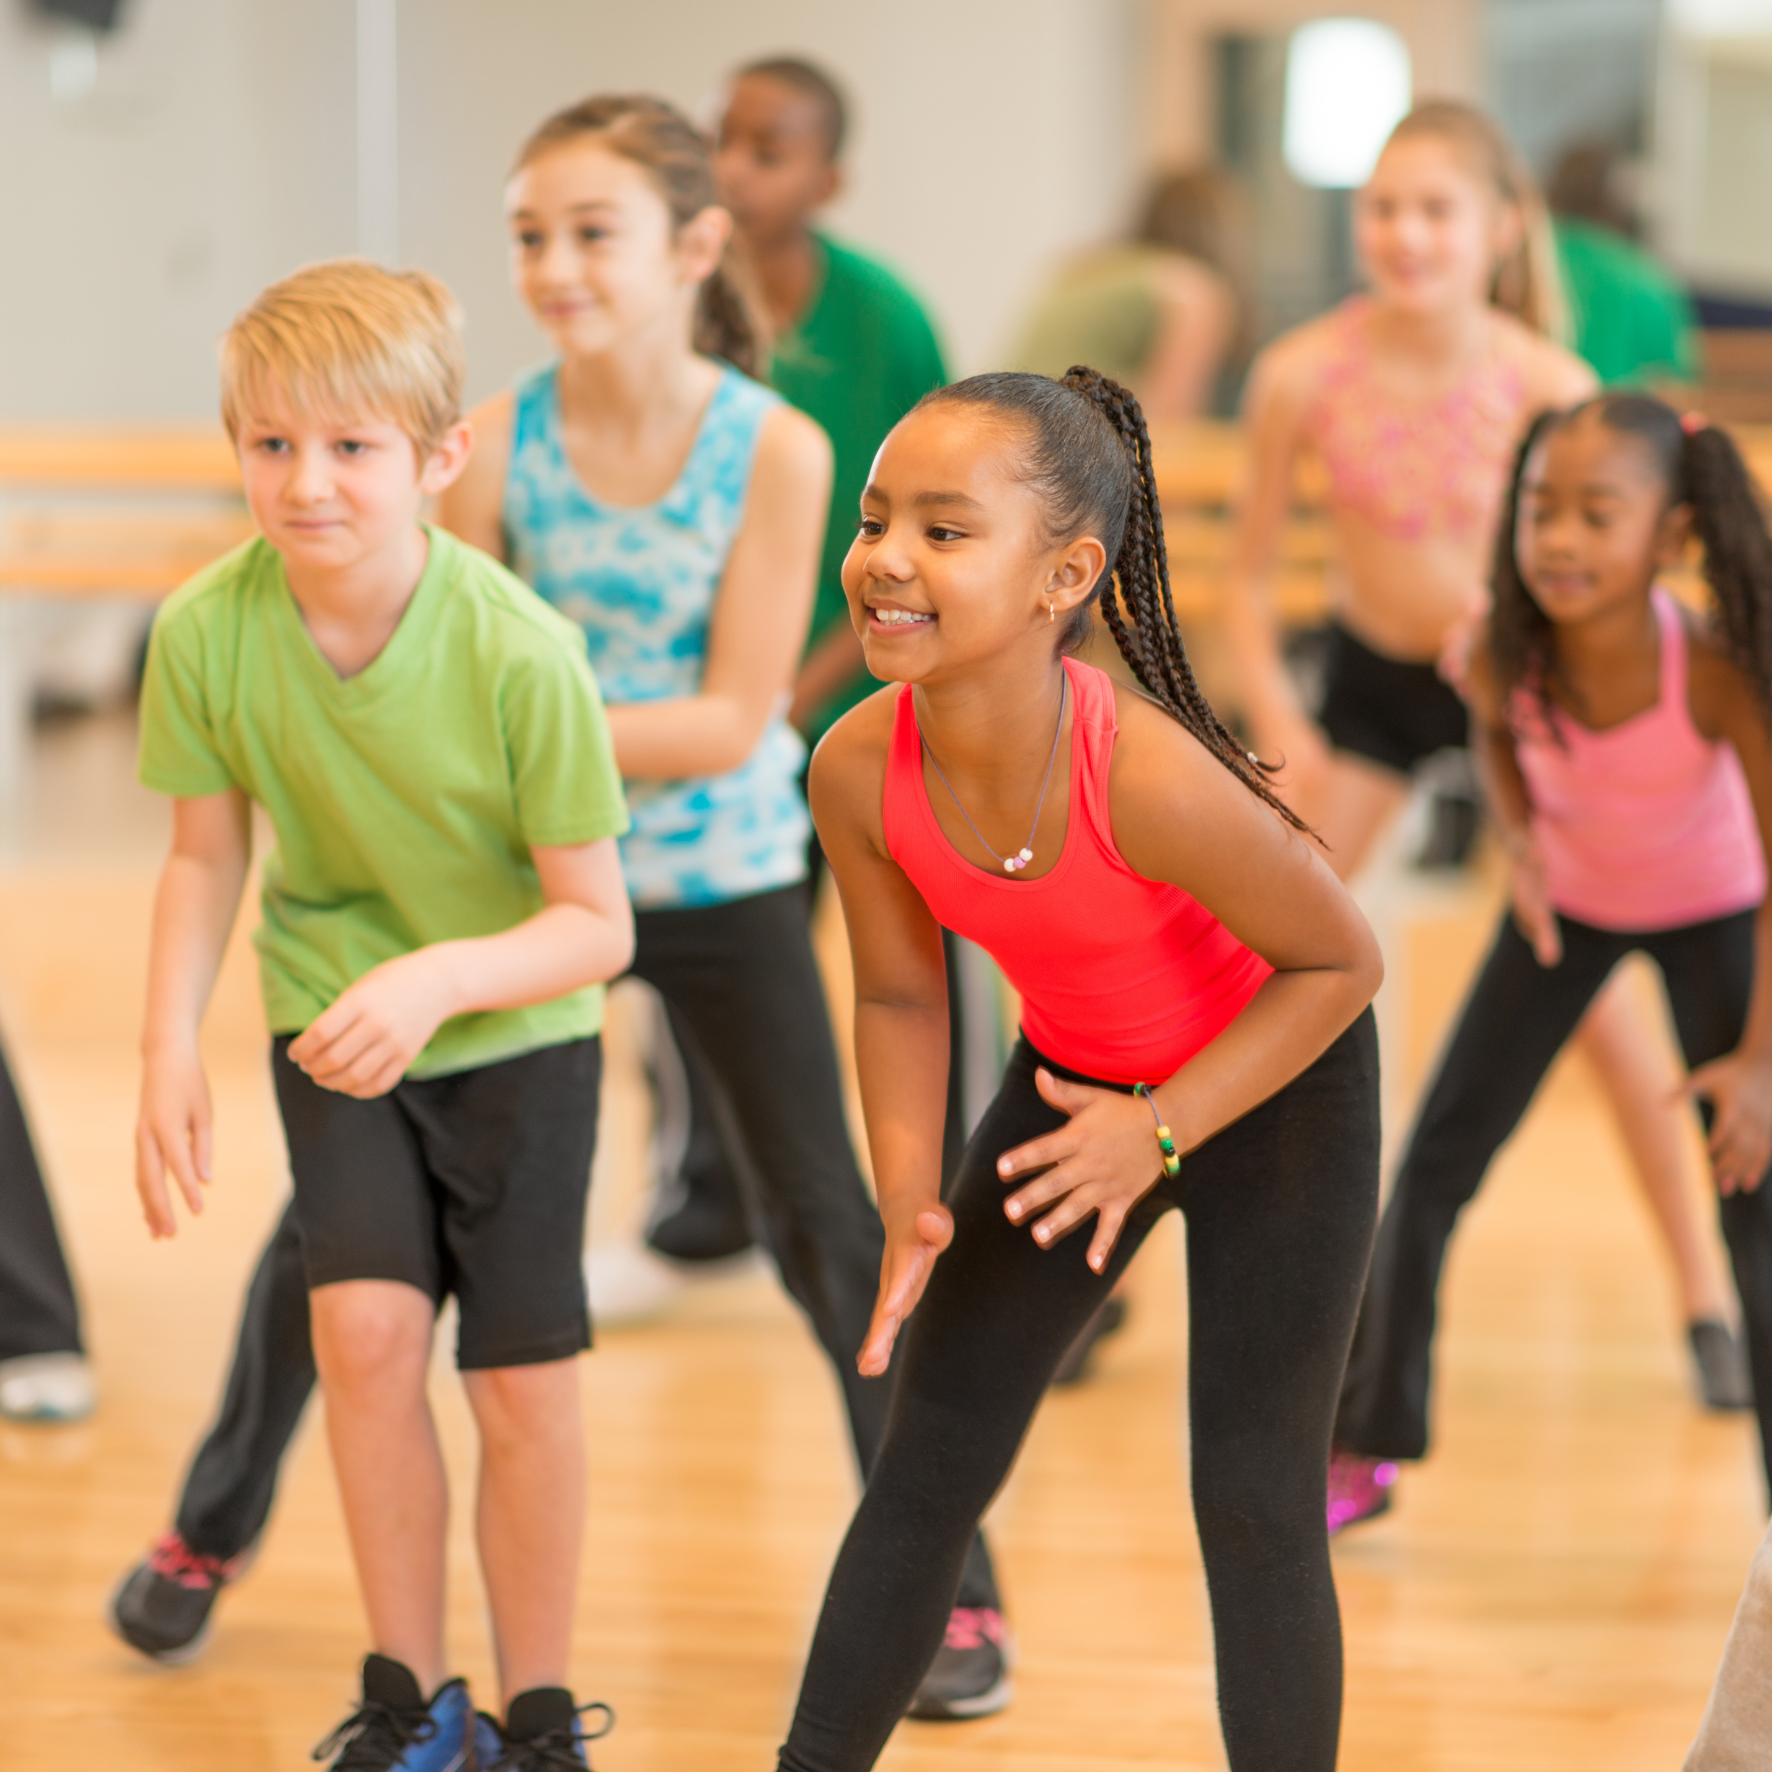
point(1025, 857)
point(1011, 863)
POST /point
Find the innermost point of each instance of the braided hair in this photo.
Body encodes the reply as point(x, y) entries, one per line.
point(1089, 460)
point(1700, 467)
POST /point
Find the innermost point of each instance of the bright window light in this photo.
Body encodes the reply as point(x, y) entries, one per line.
point(1347, 85)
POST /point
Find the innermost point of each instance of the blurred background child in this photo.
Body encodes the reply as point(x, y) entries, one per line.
point(1416, 396)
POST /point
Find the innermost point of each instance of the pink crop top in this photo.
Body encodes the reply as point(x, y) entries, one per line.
point(1414, 471)
point(1646, 825)
point(1121, 978)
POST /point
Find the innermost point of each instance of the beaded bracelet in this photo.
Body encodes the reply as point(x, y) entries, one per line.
point(1165, 1138)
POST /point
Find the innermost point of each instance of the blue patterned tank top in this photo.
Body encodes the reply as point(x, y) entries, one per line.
point(641, 582)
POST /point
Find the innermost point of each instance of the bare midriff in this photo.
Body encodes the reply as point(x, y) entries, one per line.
point(1403, 595)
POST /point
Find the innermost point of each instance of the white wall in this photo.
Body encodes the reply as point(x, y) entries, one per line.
point(1444, 38)
point(1711, 191)
point(217, 149)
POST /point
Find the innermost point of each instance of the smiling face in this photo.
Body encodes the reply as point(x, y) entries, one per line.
point(1594, 523)
point(1429, 228)
point(594, 255)
point(333, 491)
point(952, 564)
point(773, 162)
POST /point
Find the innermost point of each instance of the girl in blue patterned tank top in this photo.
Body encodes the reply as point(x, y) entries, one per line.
point(673, 507)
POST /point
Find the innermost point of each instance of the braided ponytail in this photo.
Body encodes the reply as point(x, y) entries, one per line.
point(1090, 461)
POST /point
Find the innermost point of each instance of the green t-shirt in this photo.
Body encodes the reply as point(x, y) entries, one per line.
point(1633, 322)
point(405, 799)
point(861, 357)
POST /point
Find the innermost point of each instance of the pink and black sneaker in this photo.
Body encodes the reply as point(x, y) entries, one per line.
point(1359, 1488)
point(969, 1676)
point(162, 1606)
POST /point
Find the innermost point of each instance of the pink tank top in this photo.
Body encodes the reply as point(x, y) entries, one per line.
point(1121, 978)
point(1420, 470)
point(1647, 825)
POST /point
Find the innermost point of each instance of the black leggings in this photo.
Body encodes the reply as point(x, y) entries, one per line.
point(1280, 1209)
point(1516, 1021)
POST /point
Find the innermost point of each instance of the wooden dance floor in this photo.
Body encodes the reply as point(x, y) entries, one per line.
point(1551, 1592)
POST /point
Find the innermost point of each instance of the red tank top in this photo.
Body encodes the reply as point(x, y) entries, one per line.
point(1121, 978)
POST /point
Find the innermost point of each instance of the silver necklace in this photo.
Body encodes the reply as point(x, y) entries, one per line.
point(1012, 864)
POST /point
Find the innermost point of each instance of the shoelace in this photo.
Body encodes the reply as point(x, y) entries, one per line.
point(371, 1734)
point(176, 1561)
point(971, 1627)
point(557, 1750)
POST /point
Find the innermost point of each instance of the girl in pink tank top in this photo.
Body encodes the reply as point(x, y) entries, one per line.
point(1626, 753)
point(1195, 1035)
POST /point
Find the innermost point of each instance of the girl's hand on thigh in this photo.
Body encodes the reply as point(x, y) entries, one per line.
point(1533, 912)
point(172, 1137)
point(1739, 1088)
point(904, 1272)
point(1104, 1161)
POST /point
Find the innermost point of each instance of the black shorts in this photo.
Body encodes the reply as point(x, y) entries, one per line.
point(1392, 713)
point(473, 1183)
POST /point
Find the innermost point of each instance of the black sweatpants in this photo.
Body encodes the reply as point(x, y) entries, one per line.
point(1280, 1209)
point(38, 1313)
point(1517, 1019)
point(747, 995)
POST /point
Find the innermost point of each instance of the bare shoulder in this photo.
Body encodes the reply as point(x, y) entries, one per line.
point(473, 506)
point(1152, 749)
point(1722, 701)
point(493, 423)
point(1286, 374)
point(1554, 375)
point(792, 444)
point(847, 782)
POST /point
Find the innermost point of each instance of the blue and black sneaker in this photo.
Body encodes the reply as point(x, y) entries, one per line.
point(543, 1732)
point(394, 1729)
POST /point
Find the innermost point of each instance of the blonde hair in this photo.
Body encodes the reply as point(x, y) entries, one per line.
point(659, 139)
point(347, 339)
point(1527, 283)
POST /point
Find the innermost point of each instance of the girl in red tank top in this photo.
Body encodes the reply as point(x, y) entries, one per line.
point(1195, 1035)
point(1627, 760)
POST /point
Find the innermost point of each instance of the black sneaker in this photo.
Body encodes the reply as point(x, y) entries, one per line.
point(162, 1606)
point(1110, 1319)
point(1723, 1379)
point(541, 1733)
point(395, 1730)
point(970, 1674)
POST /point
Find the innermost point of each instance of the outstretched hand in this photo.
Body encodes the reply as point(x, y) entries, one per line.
point(1739, 1089)
point(1533, 913)
point(173, 1138)
point(1104, 1160)
point(904, 1272)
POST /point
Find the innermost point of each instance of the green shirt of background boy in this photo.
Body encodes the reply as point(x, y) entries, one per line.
point(854, 348)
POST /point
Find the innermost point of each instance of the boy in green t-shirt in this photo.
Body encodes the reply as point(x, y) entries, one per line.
point(440, 912)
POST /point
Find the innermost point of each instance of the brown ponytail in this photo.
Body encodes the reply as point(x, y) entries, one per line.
point(657, 136)
point(1527, 283)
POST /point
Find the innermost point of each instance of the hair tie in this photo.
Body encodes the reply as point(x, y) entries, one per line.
point(1693, 422)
